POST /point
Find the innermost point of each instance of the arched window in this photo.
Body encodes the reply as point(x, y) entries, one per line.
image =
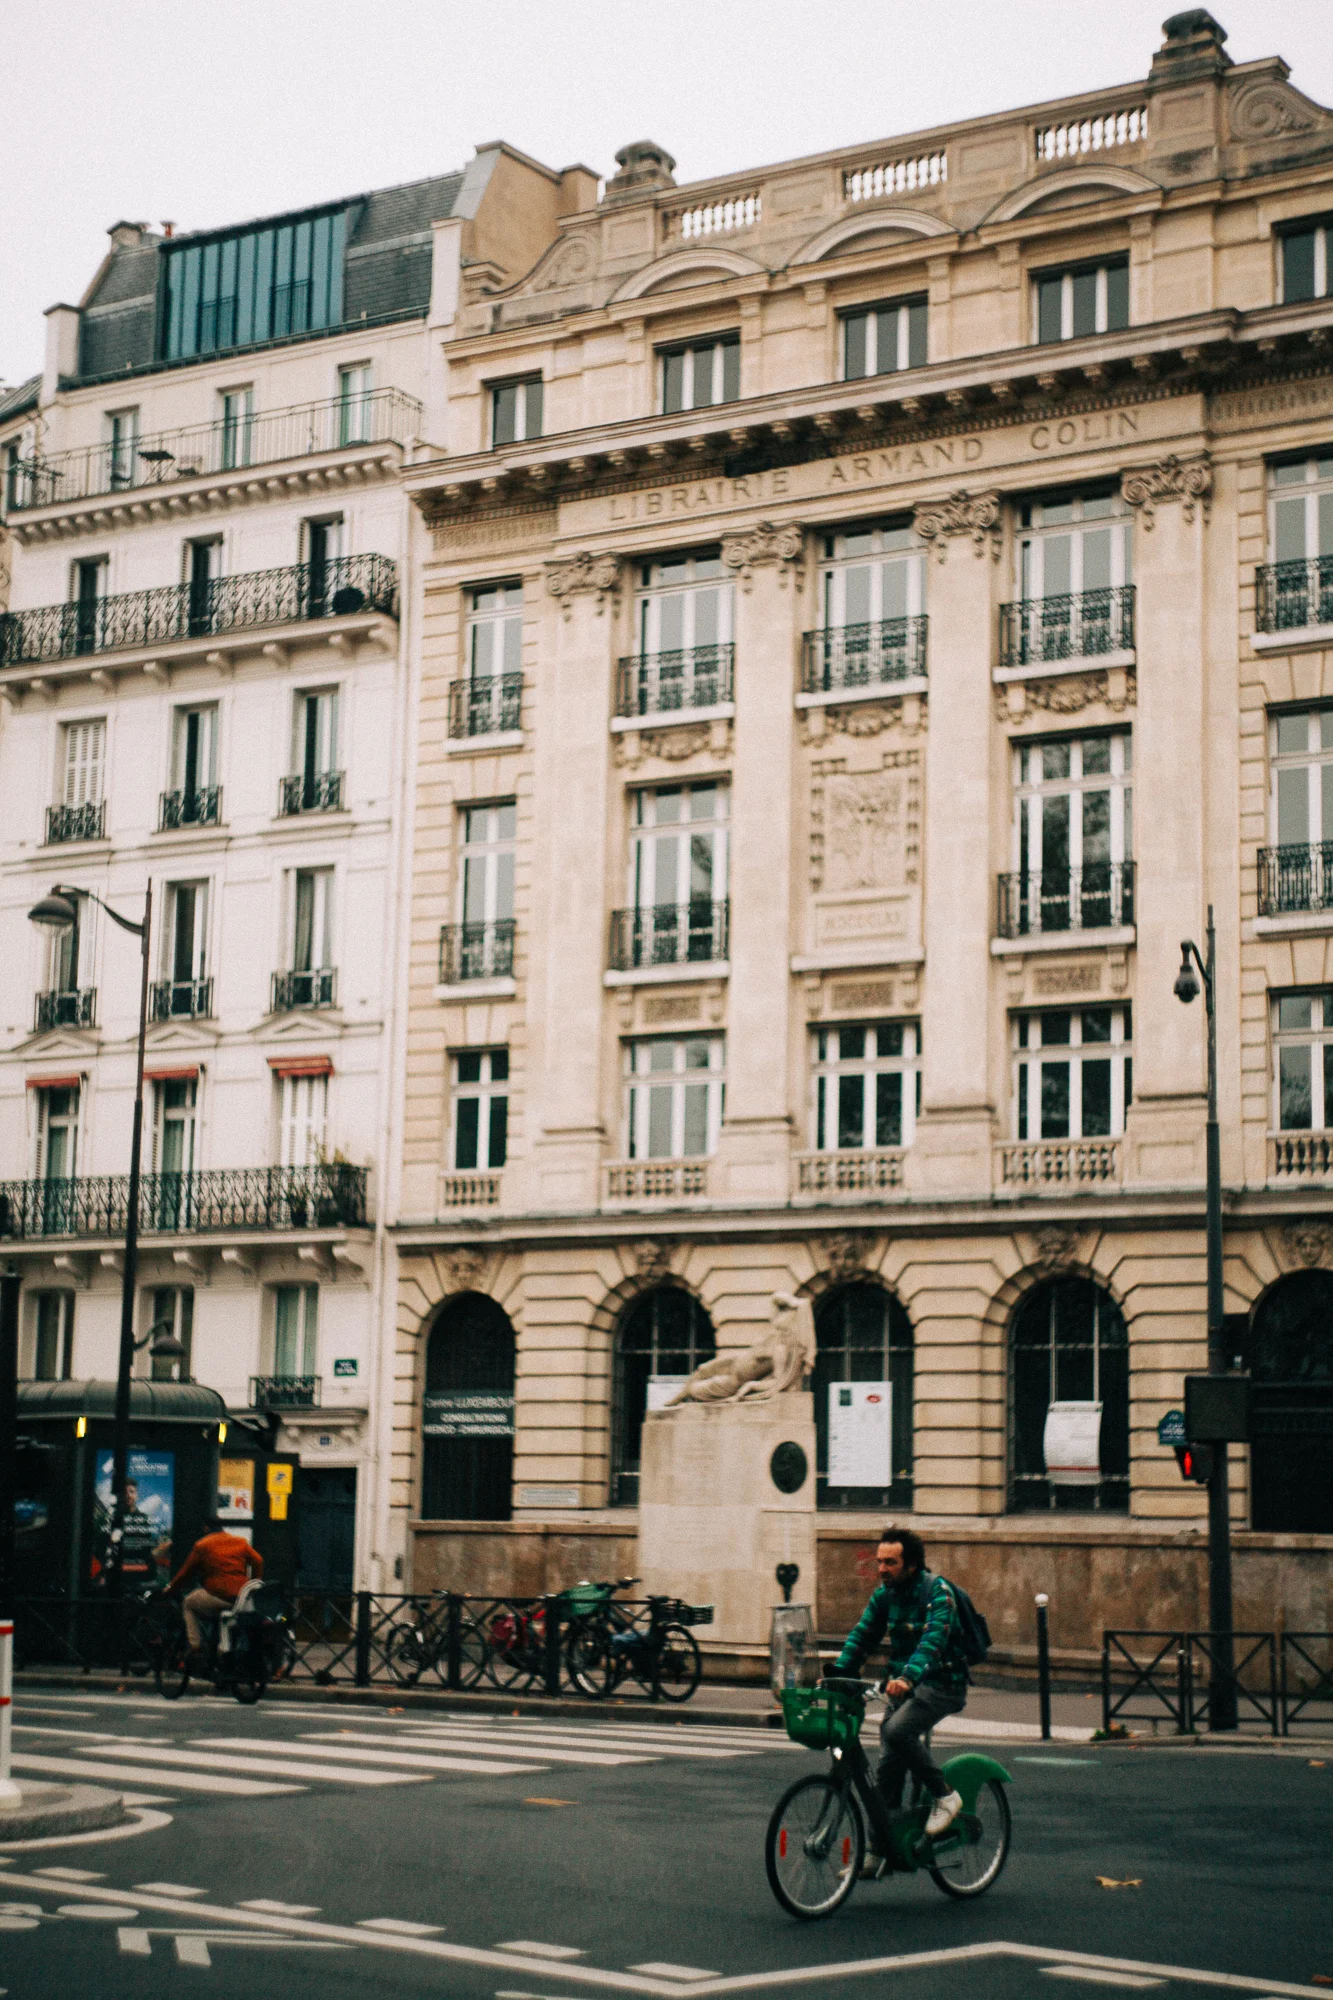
point(1068, 1344)
point(467, 1417)
point(863, 1334)
point(1291, 1448)
point(663, 1336)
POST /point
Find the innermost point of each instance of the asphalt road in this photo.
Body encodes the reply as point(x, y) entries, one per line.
point(307, 1850)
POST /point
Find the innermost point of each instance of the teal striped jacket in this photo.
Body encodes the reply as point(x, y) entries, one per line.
point(919, 1622)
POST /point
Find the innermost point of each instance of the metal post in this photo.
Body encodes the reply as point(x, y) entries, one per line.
point(1044, 1666)
point(1221, 1678)
point(362, 1668)
point(1106, 1685)
point(551, 1677)
point(129, 1278)
point(10, 1793)
point(454, 1640)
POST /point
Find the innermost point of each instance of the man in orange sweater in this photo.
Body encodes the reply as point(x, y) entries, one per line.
point(223, 1564)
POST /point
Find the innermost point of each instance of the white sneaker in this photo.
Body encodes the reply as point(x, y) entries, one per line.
point(943, 1814)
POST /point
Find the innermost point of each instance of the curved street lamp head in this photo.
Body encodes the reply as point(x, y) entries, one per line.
point(162, 1343)
point(55, 912)
point(1187, 985)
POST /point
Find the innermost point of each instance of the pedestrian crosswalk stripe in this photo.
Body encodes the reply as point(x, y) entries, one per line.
point(279, 1767)
point(543, 1950)
point(399, 1926)
point(613, 1739)
point(400, 1747)
point(481, 1767)
point(181, 1781)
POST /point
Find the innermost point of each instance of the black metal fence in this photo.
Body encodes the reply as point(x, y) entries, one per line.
point(1281, 1679)
point(316, 986)
point(320, 1197)
point(201, 807)
point(85, 822)
point(177, 999)
point(660, 683)
point(488, 705)
point(65, 1007)
point(863, 656)
point(477, 951)
point(321, 791)
point(1080, 625)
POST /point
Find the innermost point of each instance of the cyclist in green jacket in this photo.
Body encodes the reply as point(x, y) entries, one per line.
point(928, 1677)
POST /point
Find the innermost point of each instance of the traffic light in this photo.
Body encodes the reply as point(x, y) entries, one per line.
point(1195, 1462)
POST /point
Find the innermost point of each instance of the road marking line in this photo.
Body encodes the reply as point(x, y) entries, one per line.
point(34, 1708)
point(681, 1741)
point(193, 1951)
point(619, 1747)
point(168, 1889)
point(481, 1767)
point(1095, 1977)
point(1071, 1763)
point(184, 1781)
point(71, 1874)
point(663, 1969)
point(47, 1729)
point(135, 1944)
point(543, 1950)
point(392, 1754)
point(399, 1926)
point(280, 1909)
point(100, 1913)
point(279, 1767)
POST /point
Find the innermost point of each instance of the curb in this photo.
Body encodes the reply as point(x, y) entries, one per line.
point(51, 1810)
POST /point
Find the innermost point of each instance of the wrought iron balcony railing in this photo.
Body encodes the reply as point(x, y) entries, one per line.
point(1059, 1164)
point(314, 988)
point(180, 999)
point(381, 416)
point(335, 589)
point(201, 807)
point(1045, 630)
point(1288, 595)
point(486, 706)
point(1295, 878)
point(322, 792)
point(285, 1392)
point(477, 951)
point(658, 683)
point(272, 1198)
point(65, 1008)
point(1095, 898)
point(85, 822)
point(852, 657)
point(669, 934)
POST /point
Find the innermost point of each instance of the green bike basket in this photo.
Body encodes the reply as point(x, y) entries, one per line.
point(822, 1718)
point(584, 1597)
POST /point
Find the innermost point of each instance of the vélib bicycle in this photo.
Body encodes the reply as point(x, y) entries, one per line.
point(606, 1642)
point(816, 1840)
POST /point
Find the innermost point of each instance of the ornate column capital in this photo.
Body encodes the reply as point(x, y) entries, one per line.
point(585, 572)
point(766, 543)
point(974, 514)
point(1189, 480)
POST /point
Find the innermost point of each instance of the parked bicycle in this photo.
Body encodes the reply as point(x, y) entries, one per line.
point(607, 1643)
point(816, 1839)
point(420, 1642)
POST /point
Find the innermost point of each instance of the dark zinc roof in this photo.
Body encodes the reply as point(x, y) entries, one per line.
point(17, 401)
point(150, 1402)
point(387, 275)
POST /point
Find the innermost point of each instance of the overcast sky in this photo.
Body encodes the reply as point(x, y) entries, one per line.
point(213, 111)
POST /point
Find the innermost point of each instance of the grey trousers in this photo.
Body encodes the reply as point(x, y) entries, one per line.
point(901, 1734)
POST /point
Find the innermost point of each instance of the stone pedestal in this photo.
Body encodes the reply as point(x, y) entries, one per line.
point(713, 1524)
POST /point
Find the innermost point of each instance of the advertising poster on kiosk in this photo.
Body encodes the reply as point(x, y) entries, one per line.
point(150, 1509)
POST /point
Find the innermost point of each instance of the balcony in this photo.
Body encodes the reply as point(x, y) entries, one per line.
point(1295, 879)
point(322, 792)
point(850, 659)
point(72, 1007)
point(180, 999)
point(1301, 1156)
point(655, 1180)
point(470, 1190)
point(1051, 631)
point(246, 1198)
point(316, 988)
point(859, 1172)
point(335, 589)
point(1056, 901)
point(85, 822)
point(1046, 1166)
point(477, 951)
point(201, 807)
point(490, 705)
point(669, 934)
point(285, 1392)
point(663, 683)
point(1291, 595)
point(384, 416)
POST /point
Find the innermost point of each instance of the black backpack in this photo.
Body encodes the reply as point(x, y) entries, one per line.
point(972, 1627)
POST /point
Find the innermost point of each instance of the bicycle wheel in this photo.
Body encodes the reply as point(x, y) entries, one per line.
point(250, 1684)
point(969, 1857)
point(814, 1847)
point(589, 1662)
point(678, 1665)
point(280, 1654)
point(404, 1655)
point(511, 1659)
point(171, 1668)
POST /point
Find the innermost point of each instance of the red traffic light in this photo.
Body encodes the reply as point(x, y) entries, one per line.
point(1195, 1462)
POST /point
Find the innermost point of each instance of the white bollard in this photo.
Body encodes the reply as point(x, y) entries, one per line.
point(10, 1792)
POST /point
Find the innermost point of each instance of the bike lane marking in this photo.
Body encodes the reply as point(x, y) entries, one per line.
point(1095, 1977)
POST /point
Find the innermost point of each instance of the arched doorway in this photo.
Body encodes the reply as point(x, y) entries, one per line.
point(863, 1334)
point(663, 1336)
point(467, 1416)
point(1291, 1365)
point(1068, 1344)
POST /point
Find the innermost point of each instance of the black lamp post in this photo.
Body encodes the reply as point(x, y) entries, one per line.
point(59, 911)
point(1222, 1680)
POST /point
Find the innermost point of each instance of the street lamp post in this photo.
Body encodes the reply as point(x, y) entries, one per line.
point(1222, 1679)
point(59, 911)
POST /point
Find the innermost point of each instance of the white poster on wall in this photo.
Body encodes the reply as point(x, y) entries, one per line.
point(860, 1433)
point(661, 1388)
point(1071, 1444)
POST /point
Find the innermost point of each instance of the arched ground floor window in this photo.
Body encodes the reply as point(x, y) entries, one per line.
point(663, 1336)
point(467, 1414)
point(1291, 1442)
point(1068, 1344)
point(863, 1335)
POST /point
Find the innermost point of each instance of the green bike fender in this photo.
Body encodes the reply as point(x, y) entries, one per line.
point(969, 1772)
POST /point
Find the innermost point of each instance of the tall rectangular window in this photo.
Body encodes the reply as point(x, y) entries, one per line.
point(495, 631)
point(51, 1337)
point(88, 578)
point(878, 340)
point(1303, 1061)
point(678, 846)
point(683, 616)
point(1073, 1073)
point(516, 410)
point(698, 373)
point(1082, 299)
point(871, 572)
point(172, 1311)
point(312, 920)
point(253, 285)
point(303, 1112)
point(1306, 263)
point(1301, 752)
point(175, 1102)
point(675, 1092)
point(481, 1109)
point(295, 1331)
point(867, 1085)
point(486, 855)
point(314, 749)
point(121, 430)
point(1072, 543)
point(194, 763)
point(1073, 831)
point(1301, 509)
point(57, 1133)
point(185, 943)
point(236, 423)
point(354, 404)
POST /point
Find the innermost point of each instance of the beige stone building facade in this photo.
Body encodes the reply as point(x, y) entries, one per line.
point(868, 609)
